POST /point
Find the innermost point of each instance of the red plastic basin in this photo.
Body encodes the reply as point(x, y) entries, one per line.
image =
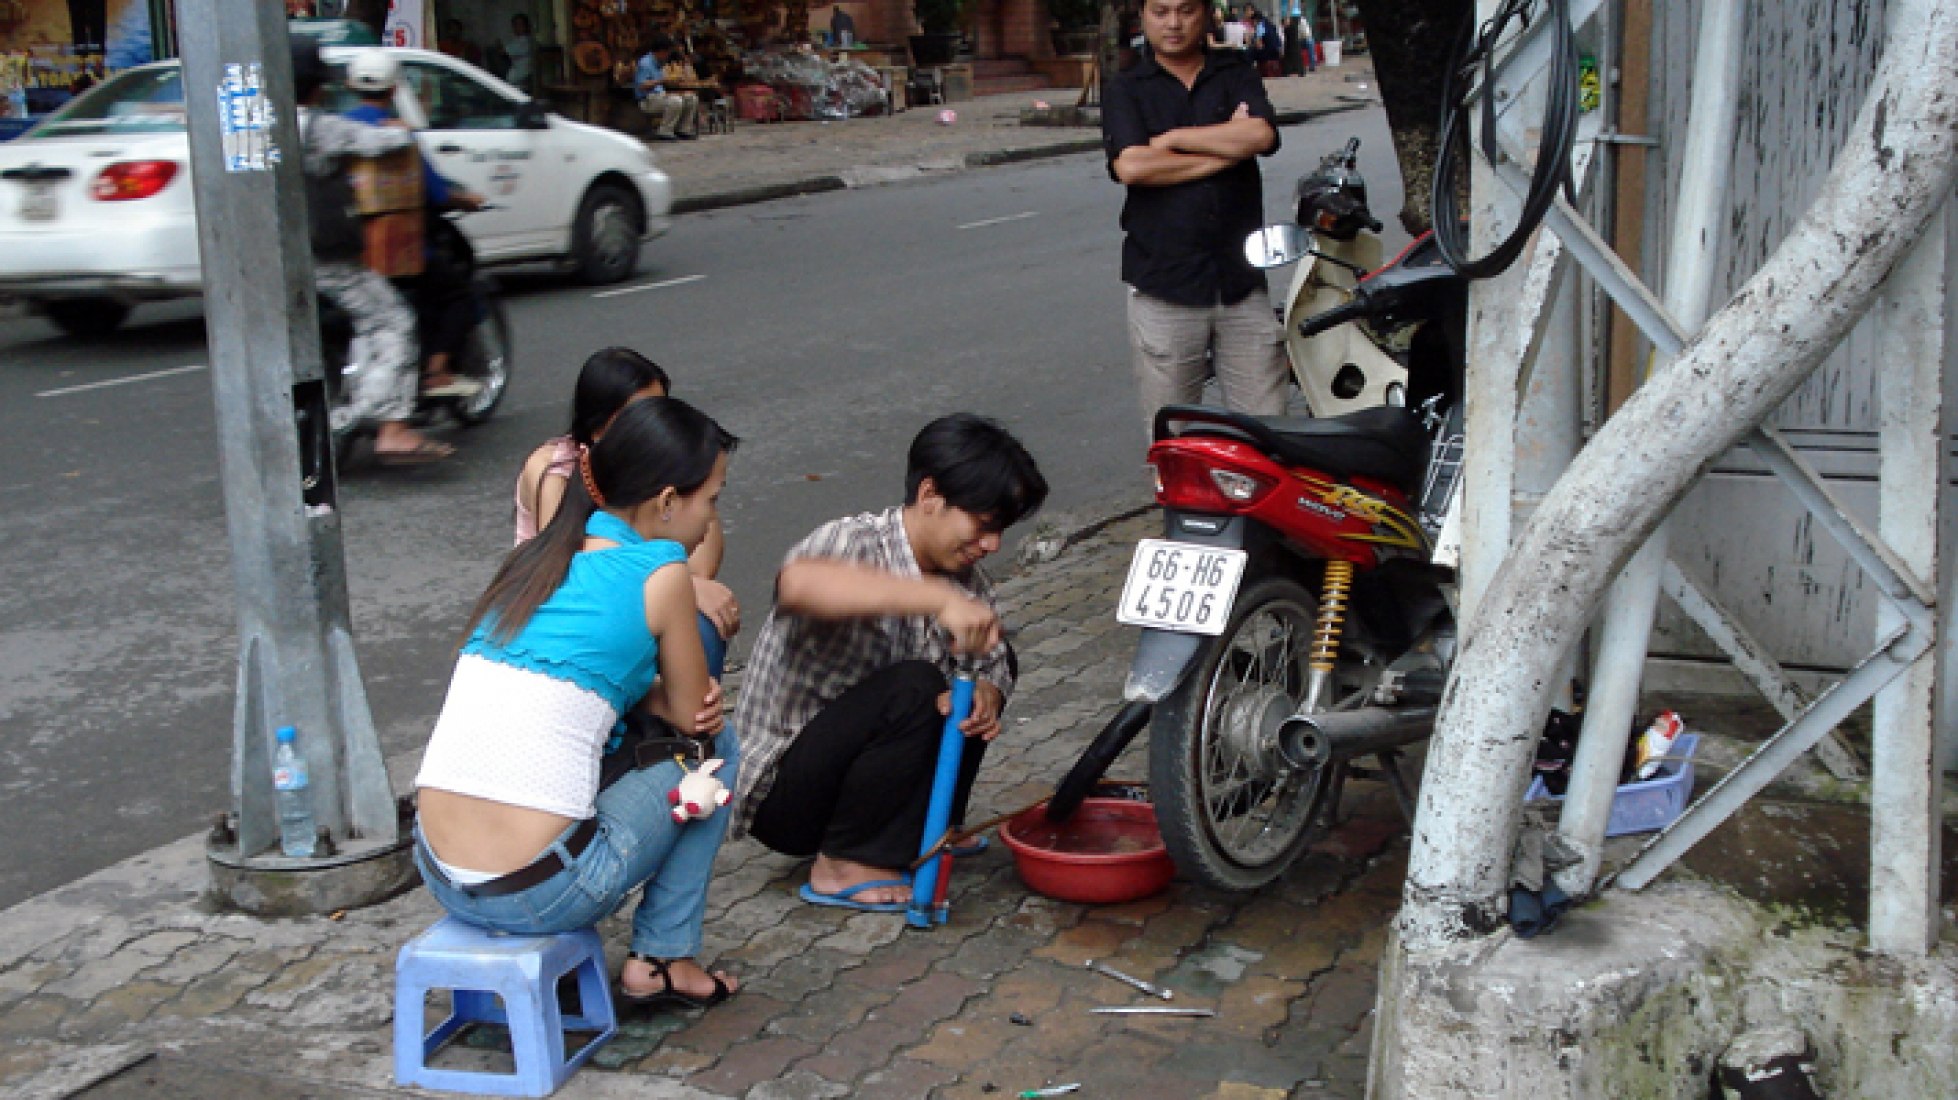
point(1109, 851)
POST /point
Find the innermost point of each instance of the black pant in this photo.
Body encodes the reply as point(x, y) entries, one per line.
point(856, 781)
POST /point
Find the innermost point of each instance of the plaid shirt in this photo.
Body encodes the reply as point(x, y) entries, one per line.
point(800, 665)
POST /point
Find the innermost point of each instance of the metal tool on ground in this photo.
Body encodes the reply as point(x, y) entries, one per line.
point(1151, 1010)
point(929, 904)
point(1056, 1090)
point(1150, 988)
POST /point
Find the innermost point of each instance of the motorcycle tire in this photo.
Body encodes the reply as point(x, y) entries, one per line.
point(1231, 815)
point(485, 357)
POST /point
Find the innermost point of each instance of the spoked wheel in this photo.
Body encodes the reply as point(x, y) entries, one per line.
point(485, 357)
point(1232, 814)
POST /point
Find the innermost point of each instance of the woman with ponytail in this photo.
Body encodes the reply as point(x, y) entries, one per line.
point(594, 615)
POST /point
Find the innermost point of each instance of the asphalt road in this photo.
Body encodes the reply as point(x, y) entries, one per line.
point(823, 330)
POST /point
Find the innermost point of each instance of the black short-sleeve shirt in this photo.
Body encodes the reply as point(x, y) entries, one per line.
point(1185, 242)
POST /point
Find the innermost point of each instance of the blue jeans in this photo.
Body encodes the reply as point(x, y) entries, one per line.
point(716, 647)
point(637, 843)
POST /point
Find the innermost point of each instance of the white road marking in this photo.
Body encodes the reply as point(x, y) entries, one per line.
point(105, 384)
point(996, 221)
point(661, 285)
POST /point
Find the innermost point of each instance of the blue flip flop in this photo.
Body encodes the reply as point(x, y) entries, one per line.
point(847, 897)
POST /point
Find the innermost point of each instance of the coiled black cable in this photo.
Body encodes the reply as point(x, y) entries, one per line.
point(1559, 132)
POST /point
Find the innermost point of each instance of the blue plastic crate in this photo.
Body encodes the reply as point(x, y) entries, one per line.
point(1646, 805)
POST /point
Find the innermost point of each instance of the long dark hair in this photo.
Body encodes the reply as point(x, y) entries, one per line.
point(653, 445)
point(608, 380)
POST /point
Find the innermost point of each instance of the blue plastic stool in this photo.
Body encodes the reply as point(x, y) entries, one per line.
point(478, 966)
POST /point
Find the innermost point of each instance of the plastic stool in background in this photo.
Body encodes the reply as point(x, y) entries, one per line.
point(479, 966)
point(714, 118)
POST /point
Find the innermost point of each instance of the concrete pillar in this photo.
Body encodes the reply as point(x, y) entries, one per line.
point(1913, 324)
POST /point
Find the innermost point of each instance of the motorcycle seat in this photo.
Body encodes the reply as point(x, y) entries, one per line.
point(1386, 443)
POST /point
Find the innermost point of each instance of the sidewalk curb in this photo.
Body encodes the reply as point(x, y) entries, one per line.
point(815, 185)
point(1053, 535)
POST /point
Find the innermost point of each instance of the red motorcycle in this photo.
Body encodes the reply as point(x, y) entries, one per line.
point(1295, 621)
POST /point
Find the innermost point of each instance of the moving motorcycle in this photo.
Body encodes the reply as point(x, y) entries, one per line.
point(484, 357)
point(1294, 620)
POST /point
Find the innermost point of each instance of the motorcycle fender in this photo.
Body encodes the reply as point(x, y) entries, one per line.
point(1164, 657)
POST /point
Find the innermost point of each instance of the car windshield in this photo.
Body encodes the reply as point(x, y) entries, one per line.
point(141, 101)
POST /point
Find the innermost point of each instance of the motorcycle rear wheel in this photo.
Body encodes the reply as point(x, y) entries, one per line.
point(485, 357)
point(1232, 815)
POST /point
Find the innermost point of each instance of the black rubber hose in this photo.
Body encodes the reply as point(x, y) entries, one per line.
point(1093, 763)
point(1559, 131)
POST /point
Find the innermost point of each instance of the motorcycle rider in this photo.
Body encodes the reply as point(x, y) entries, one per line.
point(384, 391)
point(445, 306)
point(1182, 130)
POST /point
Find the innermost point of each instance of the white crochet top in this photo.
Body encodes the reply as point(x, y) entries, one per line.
point(517, 736)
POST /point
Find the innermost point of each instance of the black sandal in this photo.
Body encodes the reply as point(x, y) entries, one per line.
point(671, 996)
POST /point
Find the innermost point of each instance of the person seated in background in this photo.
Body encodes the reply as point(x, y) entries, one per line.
point(611, 379)
point(679, 112)
point(683, 78)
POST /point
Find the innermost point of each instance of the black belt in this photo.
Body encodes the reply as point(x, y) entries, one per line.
point(659, 750)
point(538, 870)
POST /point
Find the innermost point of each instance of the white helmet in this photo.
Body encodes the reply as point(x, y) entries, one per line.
point(373, 72)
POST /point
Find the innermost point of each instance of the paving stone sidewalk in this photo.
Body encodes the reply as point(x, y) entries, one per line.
point(758, 161)
point(127, 984)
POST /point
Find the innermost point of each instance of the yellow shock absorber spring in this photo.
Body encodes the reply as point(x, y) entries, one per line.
point(1332, 615)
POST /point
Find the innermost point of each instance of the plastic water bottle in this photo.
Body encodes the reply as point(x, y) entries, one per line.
point(297, 836)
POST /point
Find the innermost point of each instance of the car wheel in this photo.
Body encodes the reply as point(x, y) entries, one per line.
point(605, 244)
point(85, 317)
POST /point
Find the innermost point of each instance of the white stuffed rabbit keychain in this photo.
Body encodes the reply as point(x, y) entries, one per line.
point(699, 794)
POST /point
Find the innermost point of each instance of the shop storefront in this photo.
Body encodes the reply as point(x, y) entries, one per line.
point(50, 49)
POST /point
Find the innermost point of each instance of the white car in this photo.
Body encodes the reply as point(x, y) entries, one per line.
point(96, 212)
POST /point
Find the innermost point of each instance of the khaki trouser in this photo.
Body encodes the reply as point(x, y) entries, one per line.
point(679, 113)
point(1245, 350)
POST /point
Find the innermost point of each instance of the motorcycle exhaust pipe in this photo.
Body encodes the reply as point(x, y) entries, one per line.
point(1320, 740)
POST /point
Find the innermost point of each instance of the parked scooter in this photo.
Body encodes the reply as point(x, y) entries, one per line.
point(1294, 619)
point(483, 358)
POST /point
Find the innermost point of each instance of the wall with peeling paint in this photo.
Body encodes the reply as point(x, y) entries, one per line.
point(1806, 68)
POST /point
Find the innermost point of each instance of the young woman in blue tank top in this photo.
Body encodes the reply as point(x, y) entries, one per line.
point(588, 619)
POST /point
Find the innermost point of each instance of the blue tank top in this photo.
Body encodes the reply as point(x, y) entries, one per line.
point(592, 631)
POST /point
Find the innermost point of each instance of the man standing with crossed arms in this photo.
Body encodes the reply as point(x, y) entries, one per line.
point(1181, 128)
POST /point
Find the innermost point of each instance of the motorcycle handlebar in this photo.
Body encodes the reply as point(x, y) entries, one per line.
point(1332, 318)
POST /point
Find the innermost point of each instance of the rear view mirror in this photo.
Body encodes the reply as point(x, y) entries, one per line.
point(534, 114)
point(1276, 245)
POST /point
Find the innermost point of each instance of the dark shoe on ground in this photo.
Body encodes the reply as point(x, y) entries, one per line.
point(970, 848)
point(670, 997)
point(687, 137)
point(661, 137)
point(846, 898)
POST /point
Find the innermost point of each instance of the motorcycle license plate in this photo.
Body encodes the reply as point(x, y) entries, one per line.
point(1180, 586)
point(39, 203)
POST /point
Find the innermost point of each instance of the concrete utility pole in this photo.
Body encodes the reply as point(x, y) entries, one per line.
point(1894, 172)
point(296, 659)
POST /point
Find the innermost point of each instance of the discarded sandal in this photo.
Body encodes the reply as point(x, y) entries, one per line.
point(671, 996)
point(846, 898)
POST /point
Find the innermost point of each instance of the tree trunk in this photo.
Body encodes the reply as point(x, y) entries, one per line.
point(1412, 42)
